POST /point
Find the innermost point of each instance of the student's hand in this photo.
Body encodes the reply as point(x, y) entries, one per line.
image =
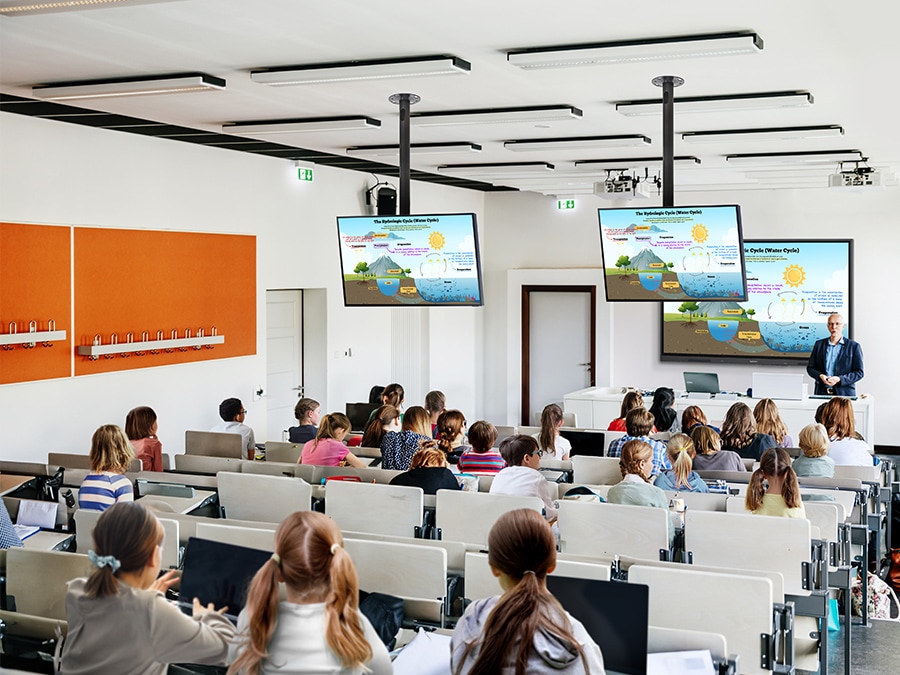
point(165, 582)
point(199, 608)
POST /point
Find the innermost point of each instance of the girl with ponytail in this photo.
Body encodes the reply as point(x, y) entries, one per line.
point(525, 630)
point(384, 419)
point(451, 429)
point(549, 439)
point(119, 620)
point(680, 477)
point(318, 628)
point(327, 448)
point(773, 488)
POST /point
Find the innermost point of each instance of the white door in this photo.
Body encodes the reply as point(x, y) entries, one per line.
point(284, 359)
point(559, 346)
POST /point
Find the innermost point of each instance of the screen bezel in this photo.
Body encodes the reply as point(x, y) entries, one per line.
point(778, 360)
point(478, 269)
point(740, 233)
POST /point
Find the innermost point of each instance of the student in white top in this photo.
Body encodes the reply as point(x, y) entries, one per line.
point(847, 448)
point(522, 476)
point(318, 628)
point(552, 444)
point(233, 414)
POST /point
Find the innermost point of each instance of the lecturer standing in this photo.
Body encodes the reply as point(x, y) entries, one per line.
point(836, 362)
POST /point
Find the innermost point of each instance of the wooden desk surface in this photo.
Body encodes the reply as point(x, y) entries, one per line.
point(46, 540)
point(8, 482)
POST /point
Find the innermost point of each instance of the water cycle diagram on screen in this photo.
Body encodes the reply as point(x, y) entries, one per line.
point(410, 260)
point(673, 253)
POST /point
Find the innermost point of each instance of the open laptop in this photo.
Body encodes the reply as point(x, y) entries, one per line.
point(218, 573)
point(584, 442)
point(359, 414)
point(701, 383)
point(615, 614)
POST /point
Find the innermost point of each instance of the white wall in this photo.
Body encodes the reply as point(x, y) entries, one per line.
point(527, 231)
point(58, 173)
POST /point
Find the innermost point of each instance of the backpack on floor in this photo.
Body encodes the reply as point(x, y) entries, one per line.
point(882, 601)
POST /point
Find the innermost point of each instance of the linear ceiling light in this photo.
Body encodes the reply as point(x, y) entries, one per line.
point(175, 83)
point(625, 51)
point(414, 149)
point(812, 157)
point(772, 133)
point(545, 113)
point(345, 71)
point(22, 8)
point(303, 124)
point(496, 168)
point(631, 163)
point(698, 104)
point(577, 143)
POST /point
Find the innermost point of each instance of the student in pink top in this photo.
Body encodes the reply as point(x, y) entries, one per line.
point(141, 428)
point(327, 448)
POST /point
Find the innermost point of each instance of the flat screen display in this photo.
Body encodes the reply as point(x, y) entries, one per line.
point(793, 285)
point(415, 260)
point(673, 253)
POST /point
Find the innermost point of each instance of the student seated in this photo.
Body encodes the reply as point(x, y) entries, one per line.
point(525, 630)
point(435, 404)
point(814, 462)
point(428, 470)
point(638, 423)
point(710, 456)
point(553, 445)
point(680, 477)
point(120, 621)
point(308, 413)
point(383, 419)
point(106, 485)
point(318, 628)
point(522, 475)
point(233, 414)
point(846, 448)
point(391, 395)
point(141, 428)
point(8, 536)
point(483, 458)
point(399, 446)
point(773, 488)
point(768, 421)
point(663, 409)
point(692, 417)
point(327, 448)
point(451, 431)
point(636, 464)
point(739, 433)
point(632, 400)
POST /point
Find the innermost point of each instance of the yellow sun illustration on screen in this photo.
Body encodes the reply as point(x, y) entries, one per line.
point(436, 241)
point(794, 275)
point(699, 233)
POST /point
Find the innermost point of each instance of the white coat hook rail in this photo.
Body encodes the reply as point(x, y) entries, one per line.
point(145, 345)
point(31, 338)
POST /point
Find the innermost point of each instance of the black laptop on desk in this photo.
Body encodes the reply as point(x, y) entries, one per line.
point(359, 414)
point(218, 573)
point(701, 383)
point(615, 614)
point(584, 442)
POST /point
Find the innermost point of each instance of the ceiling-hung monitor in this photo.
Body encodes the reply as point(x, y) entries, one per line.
point(410, 261)
point(673, 253)
point(793, 286)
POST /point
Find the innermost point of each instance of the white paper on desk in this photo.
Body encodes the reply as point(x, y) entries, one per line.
point(694, 662)
point(426, 654)
point(33, 512)
point(25, 531)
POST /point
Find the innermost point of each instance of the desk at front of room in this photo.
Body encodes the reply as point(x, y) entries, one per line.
point(595, 407)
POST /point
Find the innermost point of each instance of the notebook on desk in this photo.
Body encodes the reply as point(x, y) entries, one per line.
point(620, 633)
point(218, 573)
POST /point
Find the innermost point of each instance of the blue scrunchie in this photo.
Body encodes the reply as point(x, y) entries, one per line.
point(101, 561)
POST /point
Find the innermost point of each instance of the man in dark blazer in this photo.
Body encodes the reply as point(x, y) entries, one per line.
point(836, 362)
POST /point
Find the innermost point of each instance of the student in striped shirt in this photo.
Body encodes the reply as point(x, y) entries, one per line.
point(111, 453)
point(483, 457)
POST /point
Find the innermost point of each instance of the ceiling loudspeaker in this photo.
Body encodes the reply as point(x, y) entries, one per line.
point(386, 201)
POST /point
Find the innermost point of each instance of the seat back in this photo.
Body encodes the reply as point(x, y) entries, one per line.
point(870, 474)
point(269, 499)
point(250, 537)
point(37, 579)
point(469, 516)
point(277, 451)
point(270, 468)
point(606, 530)
point(596, 470)
point(206, 464)
point(369, 507)
point(213, 444)
point(366, 475)
point(73, 461)
point(504, 431)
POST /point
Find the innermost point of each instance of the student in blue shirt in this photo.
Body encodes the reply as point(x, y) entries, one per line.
point(681, 477)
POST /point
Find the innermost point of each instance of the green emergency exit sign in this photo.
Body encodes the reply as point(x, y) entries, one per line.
point(565, 204)
point(305, 174)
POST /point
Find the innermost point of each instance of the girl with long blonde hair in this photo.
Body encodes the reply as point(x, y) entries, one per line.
point(106, 484)
point(681, 476)
point(773, 488)
point(768, 421)
point(319, 627)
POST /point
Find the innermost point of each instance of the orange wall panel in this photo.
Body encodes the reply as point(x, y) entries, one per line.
point(143, 280)
point(35, 285)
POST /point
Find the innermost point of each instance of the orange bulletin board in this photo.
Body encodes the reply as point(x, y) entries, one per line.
point(144, 280)
point(35, 285)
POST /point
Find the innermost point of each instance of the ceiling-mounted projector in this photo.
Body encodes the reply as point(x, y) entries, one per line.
point(863, 177)
point(621, 187)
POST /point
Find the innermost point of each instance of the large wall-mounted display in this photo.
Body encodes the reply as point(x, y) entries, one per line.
point(672, 253)
point(793, 285)
point(415, 260)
